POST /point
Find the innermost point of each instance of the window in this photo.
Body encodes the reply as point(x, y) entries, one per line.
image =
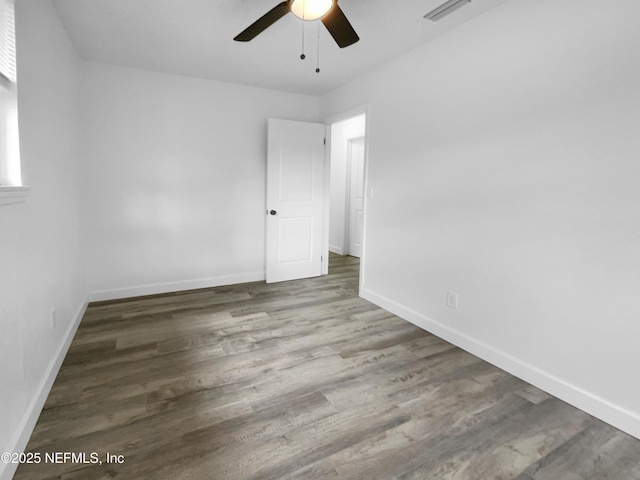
point(10, 176)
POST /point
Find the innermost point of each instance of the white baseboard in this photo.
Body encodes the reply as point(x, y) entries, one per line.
point(28, 421)
point(168, 287)
point(334, 249)
point(626, 420)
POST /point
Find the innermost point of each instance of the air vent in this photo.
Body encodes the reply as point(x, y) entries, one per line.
point(445, 9)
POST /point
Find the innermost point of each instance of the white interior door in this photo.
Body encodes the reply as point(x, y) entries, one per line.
point(356, 196)
point(295, 168)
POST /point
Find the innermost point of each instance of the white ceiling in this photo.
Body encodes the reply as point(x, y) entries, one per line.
point(195, 38)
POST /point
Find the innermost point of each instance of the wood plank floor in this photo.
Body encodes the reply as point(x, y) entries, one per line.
point(302, 380)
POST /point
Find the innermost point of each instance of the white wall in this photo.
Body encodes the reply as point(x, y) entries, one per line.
point(175, 184)
point(341, 132)
point(39, 254)
point(504, 158)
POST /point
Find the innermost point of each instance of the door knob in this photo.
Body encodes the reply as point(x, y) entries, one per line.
point(273, 212)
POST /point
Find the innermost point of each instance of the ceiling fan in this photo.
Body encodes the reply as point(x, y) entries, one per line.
point(327, 11)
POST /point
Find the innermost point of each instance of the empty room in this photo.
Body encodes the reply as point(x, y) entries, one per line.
point(319, 239)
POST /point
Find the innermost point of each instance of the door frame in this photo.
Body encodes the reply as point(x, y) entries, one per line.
point(329, 121)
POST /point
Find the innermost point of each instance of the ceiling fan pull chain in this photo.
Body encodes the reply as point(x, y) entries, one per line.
point(318, 54)
point(302, 55)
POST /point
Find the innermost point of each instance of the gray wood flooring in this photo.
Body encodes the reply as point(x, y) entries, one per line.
point(301, 380)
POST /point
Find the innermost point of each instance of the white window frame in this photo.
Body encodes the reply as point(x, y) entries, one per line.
point(12, 190)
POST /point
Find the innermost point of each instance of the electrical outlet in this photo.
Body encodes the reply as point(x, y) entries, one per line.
point(452, 299)
point(54, 319)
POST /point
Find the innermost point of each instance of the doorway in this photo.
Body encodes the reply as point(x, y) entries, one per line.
point(347, 185)
point(299, 232)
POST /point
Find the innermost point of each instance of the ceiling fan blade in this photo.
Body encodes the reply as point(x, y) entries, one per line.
point(339, 27)
point(264, 22)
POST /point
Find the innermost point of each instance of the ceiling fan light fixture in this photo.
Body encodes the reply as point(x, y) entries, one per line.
point(311, 9)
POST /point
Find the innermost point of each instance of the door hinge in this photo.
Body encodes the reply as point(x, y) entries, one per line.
point(321, 259)
point(325, 141)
